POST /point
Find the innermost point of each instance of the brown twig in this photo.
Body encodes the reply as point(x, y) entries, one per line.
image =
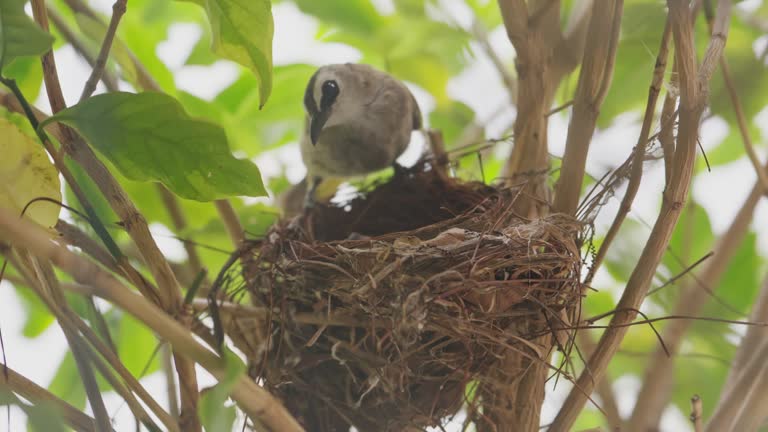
point(694, 82)
point(752, 337)
point(727, 410)
point(594, 81)
point(697, 414)
point(42, 279)
point(20, 385)
point(638, 156)
point(737, 108)
point(254, 400)
point(109, 80)
point(169, 295)
point(659, 376)
point(481, 36)
point(118, 10)
point(231, 222)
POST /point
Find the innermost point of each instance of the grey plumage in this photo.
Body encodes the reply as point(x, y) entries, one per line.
point(359, 120)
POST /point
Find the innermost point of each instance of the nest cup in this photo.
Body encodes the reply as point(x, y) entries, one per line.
point(391, 312)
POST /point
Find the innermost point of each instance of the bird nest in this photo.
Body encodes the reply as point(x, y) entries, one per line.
point(388, 312)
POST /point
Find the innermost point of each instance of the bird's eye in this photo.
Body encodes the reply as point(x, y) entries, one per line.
point(330, 90)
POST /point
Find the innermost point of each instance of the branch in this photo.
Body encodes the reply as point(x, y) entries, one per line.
point(231, 222)
point(515, 16)
point(752, 374)
point(697, 413)
point(737, 109)
point(254, 400)
point(109, 80)
point(638, 156)
point(40, 276)
point(481, 35)
point(27, 389)
point(753, 336)
point(118, 10)
point(659, 376)
point(693, 97)
point(594, 81)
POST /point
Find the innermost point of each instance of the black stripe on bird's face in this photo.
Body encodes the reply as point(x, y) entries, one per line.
point(318, 117)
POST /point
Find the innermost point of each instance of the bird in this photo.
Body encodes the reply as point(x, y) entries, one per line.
point(358, 120)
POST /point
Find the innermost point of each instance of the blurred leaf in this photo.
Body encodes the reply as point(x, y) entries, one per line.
point(214, 415)
point(149, 137)
point(95, 30)
point(37, 317)
point(282, 120)
point(242, 31)
point(19, 35)
point(691, 240)
point(135, 345)
point(641, 29)
point(28, 74)
point(452, 119)
point(67, 384)
point(487, 11)
point(739, 285)
point(597, 303)
point(201, 53)
point(26, 173)
point(731, 148)
point(358, 16)
point(748, 75)
point(43, 416)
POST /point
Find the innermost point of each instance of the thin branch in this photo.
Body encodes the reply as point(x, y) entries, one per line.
point(254, 400)
point(17, 383)
point(109, 80)
point(118, 10)
point(693, 86)
point(41, 277)
point(231, 222)
point(179, 221)
point(481, 35)
point(732, 401)
point(753, 413)
point(751, 339)
point(658, 379)
point(134, 222)
point(737, 108)
point(697, 414)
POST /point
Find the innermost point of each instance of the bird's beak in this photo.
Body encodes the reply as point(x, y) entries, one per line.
point(316, 123)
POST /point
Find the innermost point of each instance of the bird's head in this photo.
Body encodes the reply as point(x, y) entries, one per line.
point(334, 96)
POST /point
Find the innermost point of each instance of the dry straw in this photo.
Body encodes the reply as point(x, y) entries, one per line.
point(389, 313)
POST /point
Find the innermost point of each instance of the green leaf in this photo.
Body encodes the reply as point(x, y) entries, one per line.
point(28, 74)
point(135, 344)
point(149, 137)
point(357, 16)
point(641, 27)
point(67, 383)
point(37, 317)
point(242, 31)
point(213, 413)
point(44, 416)
point(19, 35)
point(452, 119)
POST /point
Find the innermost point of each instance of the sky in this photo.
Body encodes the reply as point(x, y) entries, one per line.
point(720, 192)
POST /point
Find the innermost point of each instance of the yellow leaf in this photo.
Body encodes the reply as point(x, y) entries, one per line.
point(26, 173)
